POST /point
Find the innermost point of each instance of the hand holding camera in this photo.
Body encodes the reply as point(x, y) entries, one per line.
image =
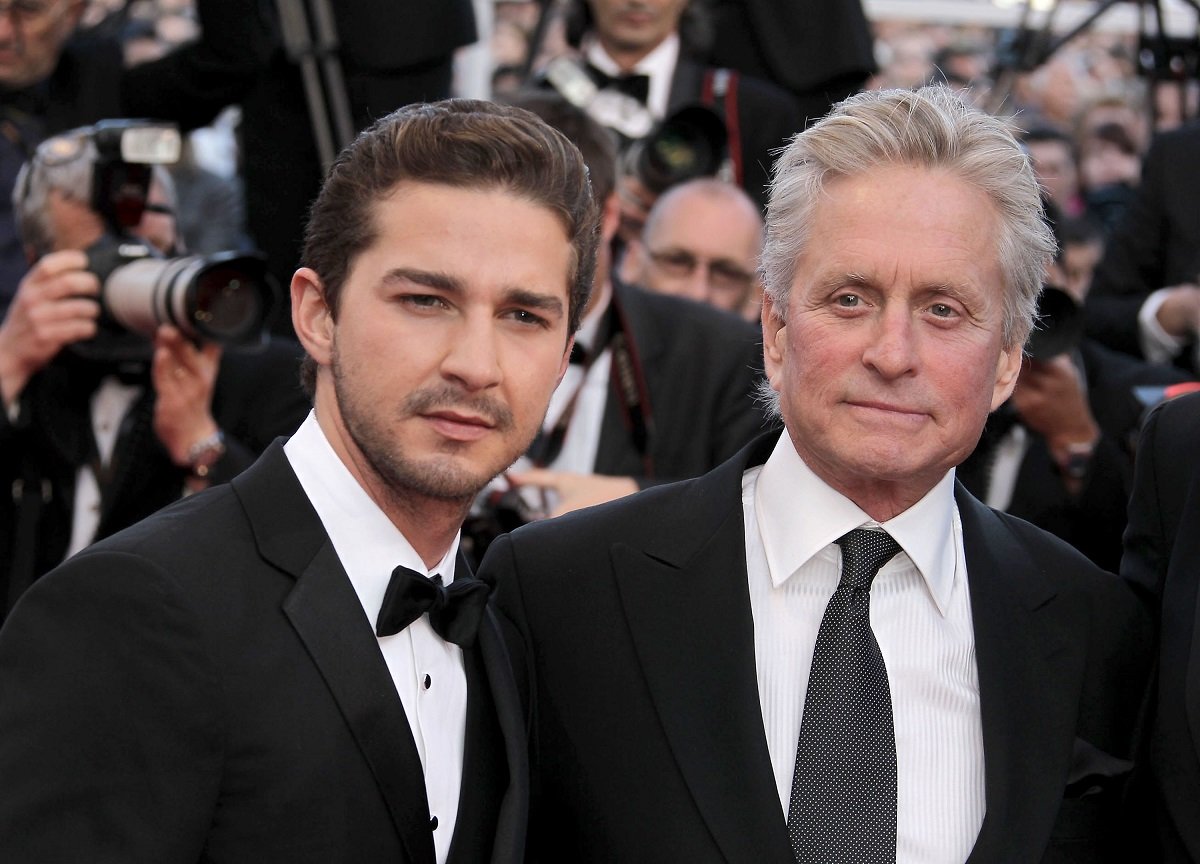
point(54, 307)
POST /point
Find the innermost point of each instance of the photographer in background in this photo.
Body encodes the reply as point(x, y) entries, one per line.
point(91, 439)
point(1059, 452)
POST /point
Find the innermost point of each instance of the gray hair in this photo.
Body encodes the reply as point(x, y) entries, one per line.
point(930, 127)
point(70, 176)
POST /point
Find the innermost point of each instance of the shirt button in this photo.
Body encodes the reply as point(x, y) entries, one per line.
point(433, 824)
point(428, 682)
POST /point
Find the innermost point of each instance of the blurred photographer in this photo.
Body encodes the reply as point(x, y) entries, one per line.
point(103, 425)
point(1059, 452)
point(641, 65)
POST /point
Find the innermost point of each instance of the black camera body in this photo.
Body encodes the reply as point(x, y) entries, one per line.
point(224, 297)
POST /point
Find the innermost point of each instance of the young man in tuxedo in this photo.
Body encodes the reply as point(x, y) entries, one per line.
point(711, 676)
point(299, 666)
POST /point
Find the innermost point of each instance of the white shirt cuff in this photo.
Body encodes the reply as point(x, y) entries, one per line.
point(1158, 346)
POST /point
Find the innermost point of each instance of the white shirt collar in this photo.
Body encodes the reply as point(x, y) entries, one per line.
point(659, 64)
point(924, 531)
point(367, 543)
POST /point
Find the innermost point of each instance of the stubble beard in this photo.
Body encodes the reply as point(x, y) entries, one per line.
point(439, 477)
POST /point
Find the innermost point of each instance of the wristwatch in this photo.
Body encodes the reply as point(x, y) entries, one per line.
point(1074, 465)
point(205, 453)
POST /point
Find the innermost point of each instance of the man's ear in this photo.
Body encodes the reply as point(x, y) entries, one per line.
point(774, 331)
point(1008, 369)
point(311, 317)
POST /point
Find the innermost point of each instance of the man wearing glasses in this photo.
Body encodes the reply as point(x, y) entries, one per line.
point(701, 241)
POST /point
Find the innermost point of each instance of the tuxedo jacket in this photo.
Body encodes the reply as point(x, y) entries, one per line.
point(1157, 245)
point(698, 368)
point(256, 398)
point(205, 687)
point(633, 626)
point(1162, 558)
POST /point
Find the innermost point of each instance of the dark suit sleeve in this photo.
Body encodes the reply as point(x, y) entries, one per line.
point(1134, 263)
point(1148, 535)
point(110, 736)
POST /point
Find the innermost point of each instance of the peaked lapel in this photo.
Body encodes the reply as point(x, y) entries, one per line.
point(687, 603)
point(509, 840)
point(328, 618)
point(1030, 674)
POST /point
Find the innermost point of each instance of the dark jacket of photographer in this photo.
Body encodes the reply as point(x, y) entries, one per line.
point(257, 397)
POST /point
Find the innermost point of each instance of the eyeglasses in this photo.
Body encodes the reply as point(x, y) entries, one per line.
point(724, 275)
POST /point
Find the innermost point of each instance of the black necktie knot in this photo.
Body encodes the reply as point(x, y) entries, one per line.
point(864, 552)
point(454, 611)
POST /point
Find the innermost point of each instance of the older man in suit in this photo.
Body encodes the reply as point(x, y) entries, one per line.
point(1162, 549)
point(711, 676)
point(299, 666)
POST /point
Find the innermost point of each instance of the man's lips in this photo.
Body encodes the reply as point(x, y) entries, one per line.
point(460, 426)
point(897, 411)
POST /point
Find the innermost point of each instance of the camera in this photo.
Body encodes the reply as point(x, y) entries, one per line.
point(224, 297)
point(689, 143)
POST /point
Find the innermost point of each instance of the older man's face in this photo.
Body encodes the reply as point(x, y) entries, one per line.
point(891, 354)
point(32, 35)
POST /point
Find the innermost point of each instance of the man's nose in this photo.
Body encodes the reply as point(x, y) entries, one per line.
point(472, 358)
point(892, 349)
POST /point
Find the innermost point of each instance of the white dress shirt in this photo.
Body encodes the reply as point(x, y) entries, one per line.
point(109, 405)
point(428, 673)
point(921, 617)
point(659, 65)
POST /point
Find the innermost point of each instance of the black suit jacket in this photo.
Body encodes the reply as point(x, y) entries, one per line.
point(699, 368)
point(1162, 558)
point(205, 687)
point(634, 625)
point(1157, 244)
point(257, 397)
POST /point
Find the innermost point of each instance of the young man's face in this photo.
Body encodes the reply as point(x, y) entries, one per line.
point(450, 336)
point(635, 26)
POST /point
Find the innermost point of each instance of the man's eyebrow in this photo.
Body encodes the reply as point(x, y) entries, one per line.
point(547, 303)
point(428, 278)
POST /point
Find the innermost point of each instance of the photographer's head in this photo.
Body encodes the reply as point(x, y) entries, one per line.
point(447, 261)
point(930, 128)
point(32, 36)
point(52, 199)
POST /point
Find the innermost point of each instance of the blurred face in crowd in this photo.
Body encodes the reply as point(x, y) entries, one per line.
point(450, 336)
point(631, 29)
point(701, 241)
point(1054, 164)
point(890, 355)
point(32, 35)
point(1074, 271)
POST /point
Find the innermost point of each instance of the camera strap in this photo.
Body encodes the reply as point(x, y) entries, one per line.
point(721, 86)
point(627, 382)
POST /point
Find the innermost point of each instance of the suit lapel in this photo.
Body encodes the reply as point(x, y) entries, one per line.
point(1029, 680)
point(688, 609)
point(328, 618)
point(493, 706)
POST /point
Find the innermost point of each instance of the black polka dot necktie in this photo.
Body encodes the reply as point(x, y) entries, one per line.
point(843, 803)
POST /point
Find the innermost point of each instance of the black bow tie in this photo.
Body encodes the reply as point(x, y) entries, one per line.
point(454, 611)
point(637, 86)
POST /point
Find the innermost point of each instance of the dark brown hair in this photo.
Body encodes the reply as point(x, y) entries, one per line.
point(463, 143)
